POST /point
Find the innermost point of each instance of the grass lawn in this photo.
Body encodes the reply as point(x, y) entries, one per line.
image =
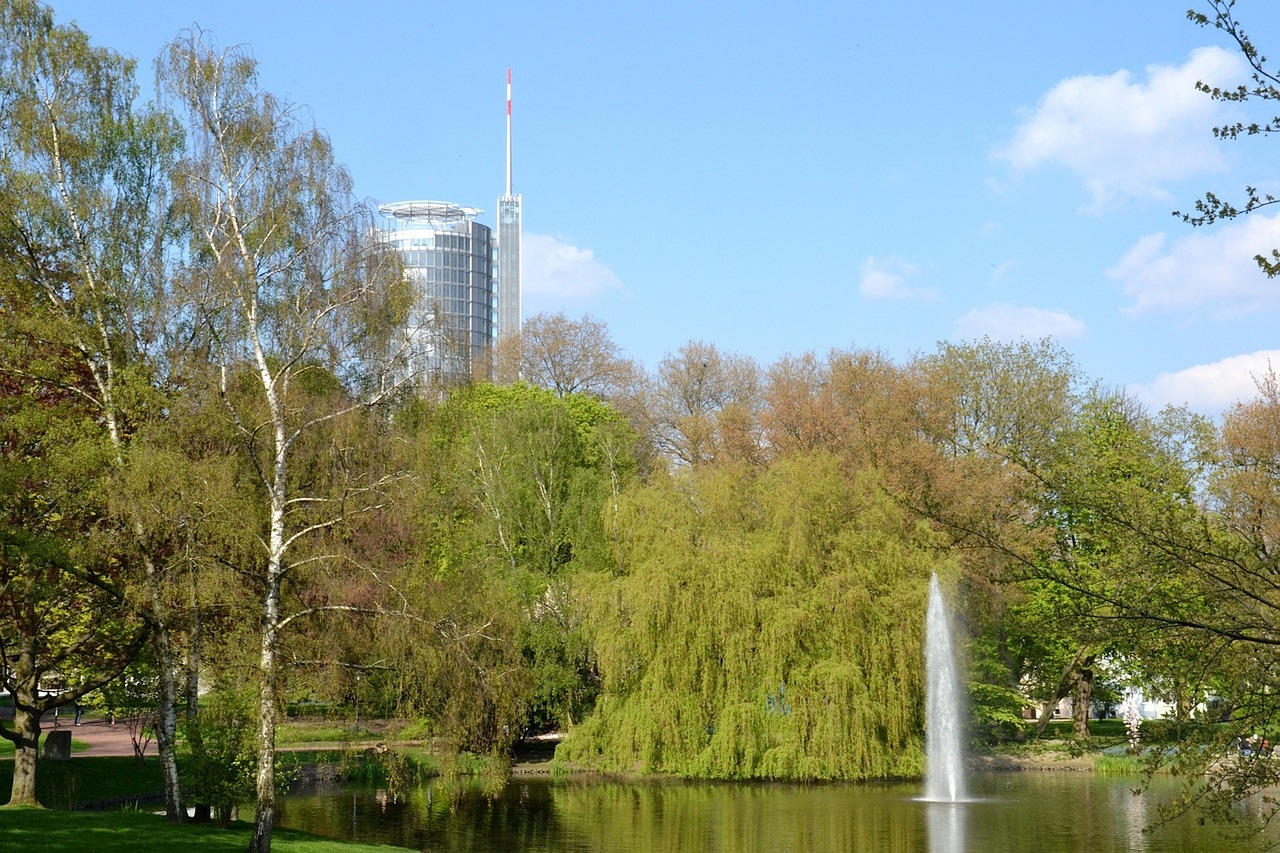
point(290, 733)
point(1108, 728)
point(6, 746)
point(107, 832)
point(59, 784)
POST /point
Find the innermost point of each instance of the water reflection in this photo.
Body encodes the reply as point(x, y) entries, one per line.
point(1137, 814)
point(1046, 812)
point(946, 827)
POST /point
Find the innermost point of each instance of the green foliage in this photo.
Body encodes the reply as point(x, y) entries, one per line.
point(764, 626)
point(1118, 765)
point(562, 672)
point(515, 485)
point(996, 713)
point(220, 760)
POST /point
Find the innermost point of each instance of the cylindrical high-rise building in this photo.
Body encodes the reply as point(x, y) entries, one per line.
point(449, 336)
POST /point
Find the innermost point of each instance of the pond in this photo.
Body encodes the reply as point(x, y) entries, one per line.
point(1042, 811)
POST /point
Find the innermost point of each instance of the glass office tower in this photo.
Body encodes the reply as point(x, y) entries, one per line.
point(450, 334)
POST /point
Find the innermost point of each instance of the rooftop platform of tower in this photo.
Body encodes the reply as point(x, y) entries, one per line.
point(428, 212)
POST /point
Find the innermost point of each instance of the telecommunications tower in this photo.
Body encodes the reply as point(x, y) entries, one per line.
point(509, 228)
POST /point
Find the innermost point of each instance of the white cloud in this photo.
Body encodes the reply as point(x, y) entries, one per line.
point(1126, 137)
point(1004, 322)
point(1211, 268)
point(1210, 388)
point(556, 273)
point(887, 279)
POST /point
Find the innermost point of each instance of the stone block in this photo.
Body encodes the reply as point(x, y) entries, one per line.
point(57, 745)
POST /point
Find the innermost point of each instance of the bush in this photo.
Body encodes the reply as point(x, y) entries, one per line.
point(996, 714)
point(219, 765)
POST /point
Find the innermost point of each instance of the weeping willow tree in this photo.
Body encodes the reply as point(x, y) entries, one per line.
point(760, 624)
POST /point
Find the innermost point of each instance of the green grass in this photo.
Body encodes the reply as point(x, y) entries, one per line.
point(1097, 728)
point(6, 747)
point(1118, 765)
point(60, 784)
point(291, 733)
point(315, 729)
point(109, 832)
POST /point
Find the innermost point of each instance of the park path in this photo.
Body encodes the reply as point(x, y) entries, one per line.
point(533, 755)
point(102, 737)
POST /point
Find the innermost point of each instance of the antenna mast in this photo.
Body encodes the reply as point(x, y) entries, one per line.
point(508, 132)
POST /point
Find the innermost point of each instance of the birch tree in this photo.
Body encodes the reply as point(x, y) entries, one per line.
point(297, 298)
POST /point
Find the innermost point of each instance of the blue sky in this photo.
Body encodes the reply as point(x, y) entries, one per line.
point(779, 179)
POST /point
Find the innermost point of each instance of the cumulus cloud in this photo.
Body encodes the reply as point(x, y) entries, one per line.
point(1210, 388)
point(887, 279)
point(1003, 322)
point(1124, 136)
point(556, 273)
point(1211, 268)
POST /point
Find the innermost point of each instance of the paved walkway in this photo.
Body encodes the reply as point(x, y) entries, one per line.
point(102, 738)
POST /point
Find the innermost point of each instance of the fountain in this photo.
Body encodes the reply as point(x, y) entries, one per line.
point(944, 771)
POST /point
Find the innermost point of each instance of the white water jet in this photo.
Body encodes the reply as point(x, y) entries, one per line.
point(944, 769)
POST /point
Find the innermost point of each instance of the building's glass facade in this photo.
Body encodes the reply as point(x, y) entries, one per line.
point(450, 334)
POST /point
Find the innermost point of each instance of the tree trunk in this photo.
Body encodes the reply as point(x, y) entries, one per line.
point(1083, 698)
point(201, 812)
point(167, 725)
point(1070, 675)
point(26, 742)
point(1181, 701)
point(264, 815)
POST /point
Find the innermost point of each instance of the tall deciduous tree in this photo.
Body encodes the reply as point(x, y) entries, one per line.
point(83, 175)
point(569, 356)
point(705, 405)
point(854, 403)
point(65, 626)
point(295, 294)
point(761, 624)
point(525, 479)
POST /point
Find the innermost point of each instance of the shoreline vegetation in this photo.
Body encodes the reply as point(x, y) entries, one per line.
point(323, 749)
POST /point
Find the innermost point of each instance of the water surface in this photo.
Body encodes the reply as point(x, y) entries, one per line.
point(1049, 812)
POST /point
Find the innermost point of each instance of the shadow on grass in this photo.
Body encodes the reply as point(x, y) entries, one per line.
point(108, 832)
point(62, 784)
